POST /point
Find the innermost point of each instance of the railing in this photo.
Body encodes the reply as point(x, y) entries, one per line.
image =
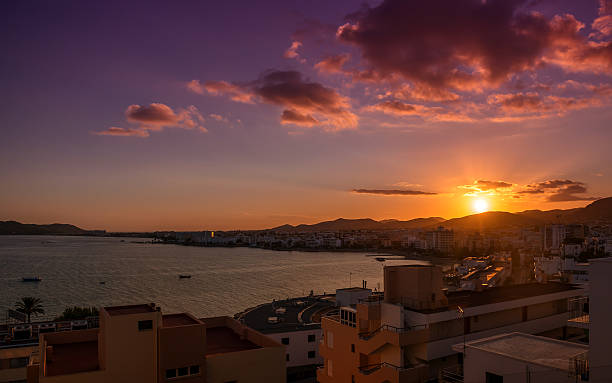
point(370, 368)
point(451, 375)
point(386, 327)
point(92, 322)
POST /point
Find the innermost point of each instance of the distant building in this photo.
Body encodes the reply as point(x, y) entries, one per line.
point(139, 344)
point(440, 239)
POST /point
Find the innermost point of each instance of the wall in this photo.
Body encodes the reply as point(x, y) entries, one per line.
point(299, 346)
point(182, 346)
point(250, 366)
point(600, 312)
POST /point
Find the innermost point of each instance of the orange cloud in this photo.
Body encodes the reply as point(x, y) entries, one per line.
point(127, 132)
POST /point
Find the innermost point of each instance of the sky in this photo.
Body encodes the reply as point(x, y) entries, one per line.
point(194, 115)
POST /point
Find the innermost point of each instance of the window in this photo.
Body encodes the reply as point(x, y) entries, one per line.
point(171, 373)
point(352, 348)
point(352, 378)
point(312, 338)
point(311, 354)
point(183, 371)
point(287, 357)
point(285, 340)
point(493, 378)
point(144, 325)
point(194, 370)
point(330, 367)
point(18, 362)
point(330, 339)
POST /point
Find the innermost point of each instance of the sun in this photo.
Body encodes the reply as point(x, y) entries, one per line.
point(480, 205)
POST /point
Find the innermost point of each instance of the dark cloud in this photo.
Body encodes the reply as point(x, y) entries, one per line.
point(392, 192)
point(558, 190)
point(488, 185)
point(468, 44)
point(155, 117)
point(304, 101)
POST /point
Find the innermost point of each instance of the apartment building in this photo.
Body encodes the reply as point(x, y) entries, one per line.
point(440, 239)
point(408, 335)
point(139, 344)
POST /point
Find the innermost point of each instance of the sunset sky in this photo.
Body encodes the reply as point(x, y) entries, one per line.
point(192, 115)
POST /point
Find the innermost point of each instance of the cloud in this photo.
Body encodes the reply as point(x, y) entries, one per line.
point(303, 101)
point(295, 118)
point(292, 53)
point(195, 86)
point(235, 92)
point(392, 192)
point(155, 117)
point(402, 109)
point(556, 190)
point(333, 64)
point(218, 117)
point(123, 132)
point(468, 44)
point(423, 92)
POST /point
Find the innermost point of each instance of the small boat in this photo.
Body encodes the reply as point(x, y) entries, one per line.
point(31, 279)
point(381, 259)
point(183, 276)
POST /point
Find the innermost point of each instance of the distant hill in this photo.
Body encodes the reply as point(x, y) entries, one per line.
point(598, 211)
point(343, 224)
point(16, 228)
point(490, 220)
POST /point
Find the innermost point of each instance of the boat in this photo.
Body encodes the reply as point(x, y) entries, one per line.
point(381, 259)
point(183, 276)
point(31, 279)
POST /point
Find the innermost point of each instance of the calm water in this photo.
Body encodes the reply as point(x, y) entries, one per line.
point(224, 280)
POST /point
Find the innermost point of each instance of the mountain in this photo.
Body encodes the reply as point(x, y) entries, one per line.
point(343, 224)
point(598, 211)
point(13, 227)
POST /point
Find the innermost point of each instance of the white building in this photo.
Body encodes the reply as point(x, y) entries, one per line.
point(520, 358)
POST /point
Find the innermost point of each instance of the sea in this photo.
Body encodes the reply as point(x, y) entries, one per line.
point(103, 271)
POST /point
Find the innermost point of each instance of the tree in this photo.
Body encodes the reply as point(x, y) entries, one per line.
point(73, 313)
point(29, 306)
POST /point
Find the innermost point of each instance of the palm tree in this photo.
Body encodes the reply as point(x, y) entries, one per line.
point(29, 306)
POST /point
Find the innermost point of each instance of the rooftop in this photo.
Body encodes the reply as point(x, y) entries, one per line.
point(221, 339)
point(132, 309)
point(177, 320)
point(531, 349)
point(70, 358)
point(501, 294)
point(353, 289)
point(300, 314)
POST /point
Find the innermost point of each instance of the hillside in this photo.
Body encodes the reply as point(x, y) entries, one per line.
point(16, 228)
point(490, 220)
point(343, 224)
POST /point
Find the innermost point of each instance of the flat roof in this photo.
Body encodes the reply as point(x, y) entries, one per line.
point(300, 314)
point(533, 349)
point(498, 294)
point(70, 358)
point(177, 320)
point(222, 339)
point(131, 309)
point(354, 289)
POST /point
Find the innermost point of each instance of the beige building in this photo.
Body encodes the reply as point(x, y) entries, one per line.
point(408, 336)
point(139, 344)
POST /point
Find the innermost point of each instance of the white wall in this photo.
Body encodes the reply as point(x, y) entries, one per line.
point(299, 346)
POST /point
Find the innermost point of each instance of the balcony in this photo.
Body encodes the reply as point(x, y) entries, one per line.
point(388, 372)
point(372, 341)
